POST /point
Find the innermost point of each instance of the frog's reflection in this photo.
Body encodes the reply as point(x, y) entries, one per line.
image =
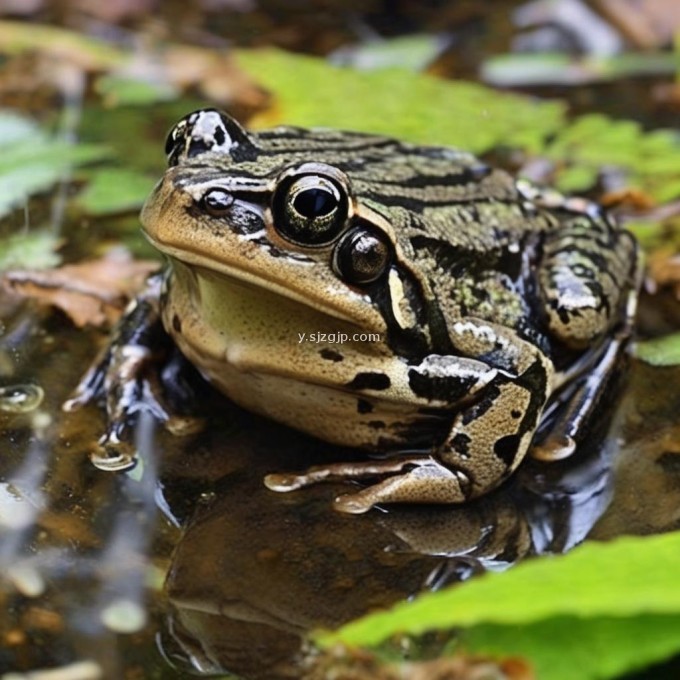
point(256, 570)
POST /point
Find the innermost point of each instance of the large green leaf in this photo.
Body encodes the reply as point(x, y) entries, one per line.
point(397, 102)
point(576, 648)
point(596, 592)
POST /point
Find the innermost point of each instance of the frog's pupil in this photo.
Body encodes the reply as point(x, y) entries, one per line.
point(314, 203)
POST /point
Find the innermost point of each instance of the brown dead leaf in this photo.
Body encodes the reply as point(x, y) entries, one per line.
point(92, 293)
point(54, 58)
point(630, 198)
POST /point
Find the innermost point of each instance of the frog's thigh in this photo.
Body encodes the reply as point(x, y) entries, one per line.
point(585, 267)
point(489, 439)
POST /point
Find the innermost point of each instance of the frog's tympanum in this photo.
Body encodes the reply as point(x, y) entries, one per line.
point(407, 300)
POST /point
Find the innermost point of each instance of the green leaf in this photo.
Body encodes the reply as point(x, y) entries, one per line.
point(624, 578)
point(664, 351)
point(591, 142)
point(32, 162)
point(114, 190)
point(397, 102)
point(576, 178)
point(29, 250)
point(596, 648)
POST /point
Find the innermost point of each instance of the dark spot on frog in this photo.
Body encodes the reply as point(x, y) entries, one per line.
point(516, 414)
point(331, 355)
point(220, 135)
point(376, 424)
point(481, 407)
point(506, 448)
point(364, 406)
point(176, 324)
point(443, 388)
point(460, 444)
point(369, 381)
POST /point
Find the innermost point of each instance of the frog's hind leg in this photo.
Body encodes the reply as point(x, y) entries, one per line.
point(410, 478)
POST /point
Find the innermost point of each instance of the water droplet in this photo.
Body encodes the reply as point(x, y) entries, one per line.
point(20, 398)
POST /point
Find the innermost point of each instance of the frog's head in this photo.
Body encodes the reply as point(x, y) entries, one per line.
point(280, 211)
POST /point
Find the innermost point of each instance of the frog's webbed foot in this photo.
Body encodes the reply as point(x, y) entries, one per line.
point(405, 479)
point(125, 379)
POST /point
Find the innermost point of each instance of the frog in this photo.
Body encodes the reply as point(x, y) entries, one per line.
point(411, 302)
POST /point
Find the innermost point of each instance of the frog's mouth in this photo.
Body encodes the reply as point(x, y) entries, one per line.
point(334, 300)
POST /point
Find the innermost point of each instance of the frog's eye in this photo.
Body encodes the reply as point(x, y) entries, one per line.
point(361, 256)
point(310, 210)
point(217, 202)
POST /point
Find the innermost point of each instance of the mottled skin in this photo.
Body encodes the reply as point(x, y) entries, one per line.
point(488, 294)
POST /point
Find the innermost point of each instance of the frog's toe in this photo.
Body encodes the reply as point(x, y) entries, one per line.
point(283, 482)
point(424, 483)
point(555, 447)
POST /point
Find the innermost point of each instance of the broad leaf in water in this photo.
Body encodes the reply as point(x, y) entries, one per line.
point(584, 590)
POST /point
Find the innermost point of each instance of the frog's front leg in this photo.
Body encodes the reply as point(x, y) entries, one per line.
point(498, 404)
point(125, 378)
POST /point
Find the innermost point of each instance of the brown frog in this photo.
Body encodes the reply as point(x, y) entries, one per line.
point(408, 300)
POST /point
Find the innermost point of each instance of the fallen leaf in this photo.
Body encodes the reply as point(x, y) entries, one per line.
point(92, 293)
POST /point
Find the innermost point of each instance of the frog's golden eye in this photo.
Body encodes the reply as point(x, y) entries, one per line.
point(310, 210)
point(217, 202)
point(361, 256)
